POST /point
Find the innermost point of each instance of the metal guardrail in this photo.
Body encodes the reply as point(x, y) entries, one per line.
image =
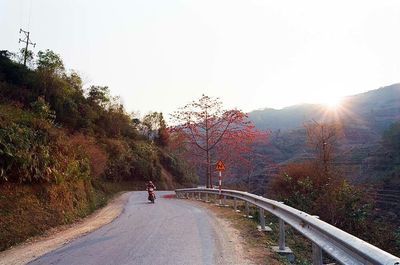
point(341, 246)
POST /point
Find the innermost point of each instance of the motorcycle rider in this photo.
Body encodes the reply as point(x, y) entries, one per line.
point(150, 185)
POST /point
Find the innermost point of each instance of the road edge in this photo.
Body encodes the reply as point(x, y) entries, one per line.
point(56, 238)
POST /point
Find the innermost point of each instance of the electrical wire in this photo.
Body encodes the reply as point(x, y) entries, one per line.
point(29, 15)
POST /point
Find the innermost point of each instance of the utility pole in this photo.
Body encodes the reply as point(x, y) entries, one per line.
point(27, 41)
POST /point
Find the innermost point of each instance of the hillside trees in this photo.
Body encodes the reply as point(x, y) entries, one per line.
point(99, 95)
point(154, 127)
point(391, 149)
point(317, 185)
point(62, 146)
point(33, 151)
point(50, 62)
point(20, 57)
point(54, 97)
point(205, 132)
point(323, 140)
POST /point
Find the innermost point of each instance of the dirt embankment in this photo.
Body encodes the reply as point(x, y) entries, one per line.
point(59, 236)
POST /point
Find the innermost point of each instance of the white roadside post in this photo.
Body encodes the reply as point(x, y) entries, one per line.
point(220, 187)
point(220, 167)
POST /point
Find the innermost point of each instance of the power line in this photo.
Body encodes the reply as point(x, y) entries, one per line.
point(27, 41)
point(30, 13)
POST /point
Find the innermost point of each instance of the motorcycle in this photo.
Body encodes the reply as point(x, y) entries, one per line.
point(152, 195)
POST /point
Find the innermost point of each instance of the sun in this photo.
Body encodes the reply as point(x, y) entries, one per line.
point(332, 102)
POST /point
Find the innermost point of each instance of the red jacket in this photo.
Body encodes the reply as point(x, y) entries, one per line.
point(150, 186)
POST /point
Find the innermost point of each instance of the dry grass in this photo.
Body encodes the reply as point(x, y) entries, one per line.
point(31, 210)
point(97, 156)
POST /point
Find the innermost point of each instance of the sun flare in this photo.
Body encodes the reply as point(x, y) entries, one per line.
point(332, 102)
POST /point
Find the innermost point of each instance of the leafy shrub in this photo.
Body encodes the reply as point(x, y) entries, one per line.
point(132, 160)
point(304, 186)
point(32, 150)
point(182, 171)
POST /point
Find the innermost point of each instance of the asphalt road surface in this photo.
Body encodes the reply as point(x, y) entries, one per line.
point(165, 233)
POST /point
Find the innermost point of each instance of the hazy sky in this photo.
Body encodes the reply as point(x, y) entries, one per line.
point(160, 54)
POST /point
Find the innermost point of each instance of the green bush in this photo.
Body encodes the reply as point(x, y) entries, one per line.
point(183, 173)
point(32, 150)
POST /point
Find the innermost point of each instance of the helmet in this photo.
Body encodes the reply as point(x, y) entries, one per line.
point(150, 182)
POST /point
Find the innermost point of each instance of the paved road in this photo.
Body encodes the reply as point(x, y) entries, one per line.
point(165, 233)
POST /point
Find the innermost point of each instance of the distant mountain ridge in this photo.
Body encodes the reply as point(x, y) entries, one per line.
point(375, 109)
point(363, 117)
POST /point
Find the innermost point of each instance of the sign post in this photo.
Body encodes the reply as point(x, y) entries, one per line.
point(220, 167)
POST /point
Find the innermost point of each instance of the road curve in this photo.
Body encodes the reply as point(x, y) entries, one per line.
point(165, 233)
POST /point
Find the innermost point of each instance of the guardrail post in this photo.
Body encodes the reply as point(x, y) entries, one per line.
point(282, 239)
point(207, 197)
point(316, 255)
point(262, 226)
point(247, 212)
point(282, 249)
point(199, 198)
point(235, 204)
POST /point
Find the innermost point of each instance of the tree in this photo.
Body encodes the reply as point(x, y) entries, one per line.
point(391, 143)
point(208, 130)
point(20, 57)
point(319, 187)
point(100, 95)
point(50, 68)
point(74, 81)
point(155, 128)
point(50, 62)
point(389, 154)
point(323, 139)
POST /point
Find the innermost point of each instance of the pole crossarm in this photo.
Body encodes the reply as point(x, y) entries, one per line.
point(340, 245)
point(27, 42)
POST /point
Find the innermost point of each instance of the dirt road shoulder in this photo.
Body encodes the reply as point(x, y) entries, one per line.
point(244, 241)
point(59, 236)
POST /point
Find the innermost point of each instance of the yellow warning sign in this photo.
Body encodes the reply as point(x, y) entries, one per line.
point(220, 166)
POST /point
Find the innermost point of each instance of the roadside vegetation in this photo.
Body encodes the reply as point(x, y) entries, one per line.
point(66, 149)
point(319, 187)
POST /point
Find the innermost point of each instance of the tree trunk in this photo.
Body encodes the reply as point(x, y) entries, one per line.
point(208, 176)
point(210, 170)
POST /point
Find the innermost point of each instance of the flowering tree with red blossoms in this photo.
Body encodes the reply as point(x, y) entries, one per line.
point(204, 133)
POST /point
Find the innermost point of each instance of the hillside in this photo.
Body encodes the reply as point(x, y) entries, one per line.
point(64, 150)
point(363, 117)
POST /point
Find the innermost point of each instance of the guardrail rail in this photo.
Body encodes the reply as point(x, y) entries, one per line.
point(338, 244)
